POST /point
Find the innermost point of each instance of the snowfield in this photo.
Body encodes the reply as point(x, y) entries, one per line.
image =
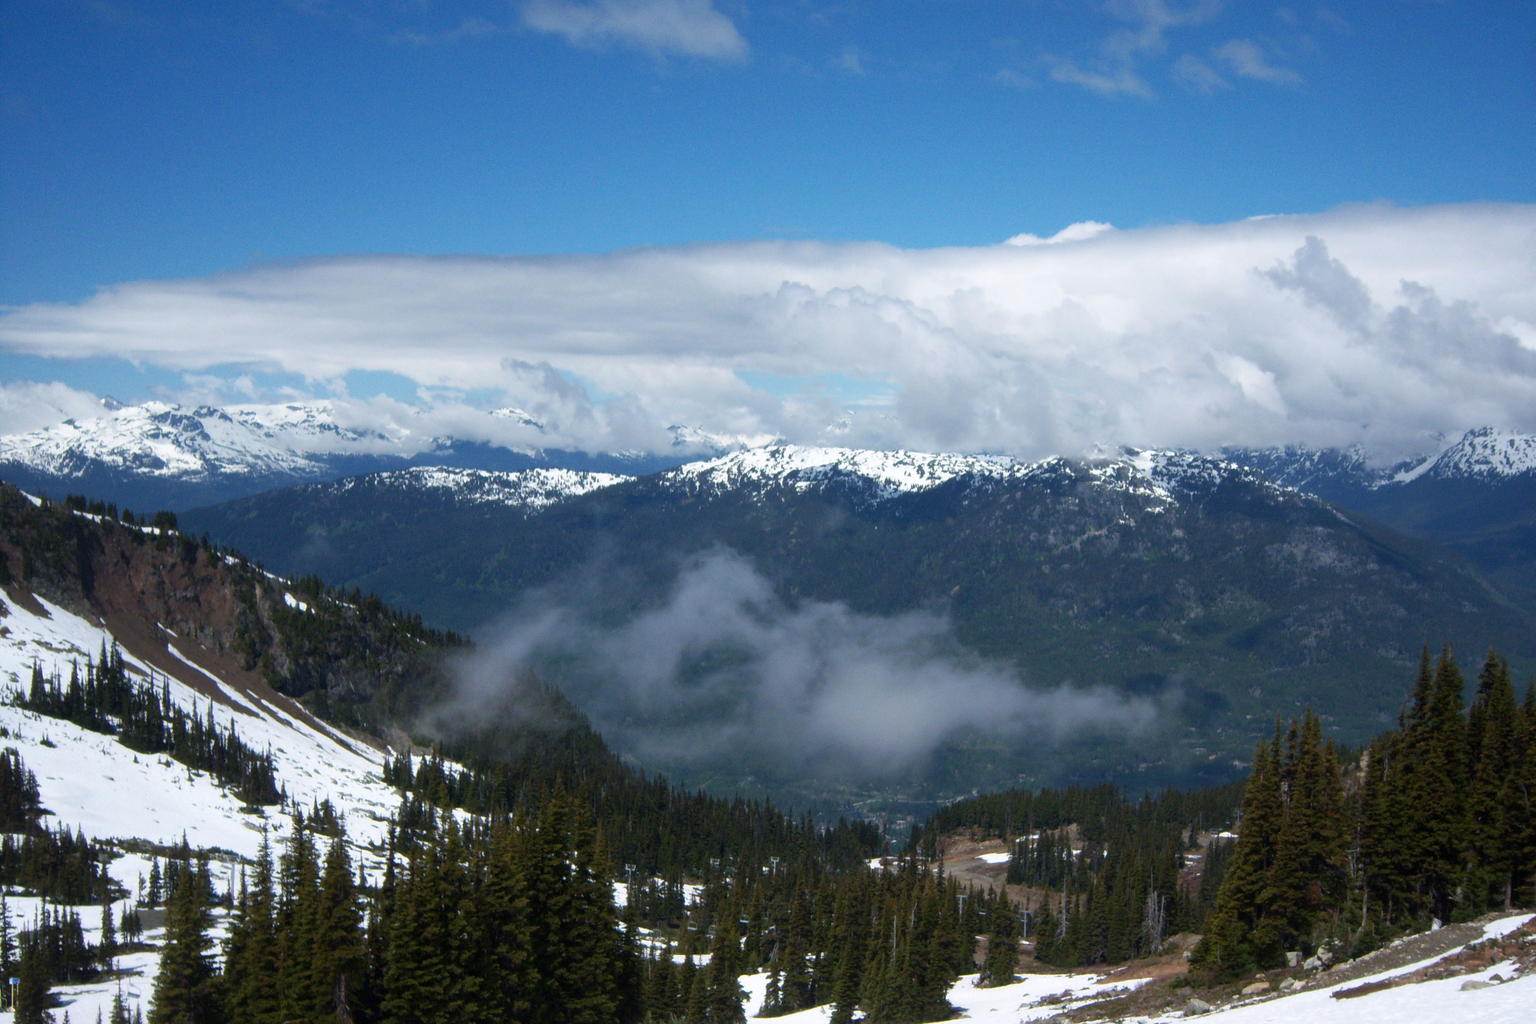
point(89, 780)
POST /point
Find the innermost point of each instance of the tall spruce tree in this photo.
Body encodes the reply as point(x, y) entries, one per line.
point(185, 989)
point(250, 955)
point(1002, 943)
point(1238, 937)
point(1496, 801)
point(1434, 782)
point(337, 965)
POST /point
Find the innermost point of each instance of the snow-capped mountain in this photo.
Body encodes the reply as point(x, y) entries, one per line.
point(1484, 454)
point(158, 439)
point(878, 476)
point(1167, 573)
point(159, 455)
point(529, 489)
point(1476, 495)
point(885, 473)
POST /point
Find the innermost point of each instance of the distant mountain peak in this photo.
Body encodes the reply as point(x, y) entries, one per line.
point(1484, 453)
point(528, 489)
point(803, 467)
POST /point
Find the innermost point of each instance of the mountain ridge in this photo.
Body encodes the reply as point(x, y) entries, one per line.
point(162, 455)
point(1164, 576)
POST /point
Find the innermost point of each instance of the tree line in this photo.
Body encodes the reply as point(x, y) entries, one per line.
point(514, 918)
point(143, 717)
point(1436, 822)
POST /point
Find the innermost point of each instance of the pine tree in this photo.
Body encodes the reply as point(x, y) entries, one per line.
point(1238, 936)
point(1496, 799)
point(498, 927)
point(416, 969)
point(251, 954)
point(336, 960)
point(107, 945)
point(32, 997)
point(1002, 944)
point(723, 995)
point(185, 990)
point(1434, 780)
point(1308, 878)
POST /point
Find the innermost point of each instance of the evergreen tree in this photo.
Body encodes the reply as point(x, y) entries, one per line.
point(1496, 801)
point(185, 991)
point(1434, 782)
point(501, 929)
point(1308, 878)
point(416, 969)
point(336, 961)
point(251, 954)
point(1236, 937)
point(723, 995)
point(1002, 944)
point(32, 998)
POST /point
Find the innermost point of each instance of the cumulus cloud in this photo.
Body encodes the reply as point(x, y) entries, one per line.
point(687, 28)
point(1367, 324)
point(724, 668)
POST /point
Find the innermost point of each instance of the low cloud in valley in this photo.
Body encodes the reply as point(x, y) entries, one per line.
point(724, 669)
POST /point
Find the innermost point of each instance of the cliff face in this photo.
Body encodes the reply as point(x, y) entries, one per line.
point(158, 592)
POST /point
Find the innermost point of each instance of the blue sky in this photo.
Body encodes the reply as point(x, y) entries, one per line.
point(166, 139)
point(177, 141)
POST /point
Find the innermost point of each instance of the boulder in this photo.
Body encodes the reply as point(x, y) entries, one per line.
point(1195, 1007)
point(1257, 988)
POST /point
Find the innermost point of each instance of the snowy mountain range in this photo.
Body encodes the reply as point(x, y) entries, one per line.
point(1476, 496)
point(880, 476)
point(158, 439)
point(1484, 455)
point(243, 448)
point(159, 455)
point(1165, 576)
point(529, 490)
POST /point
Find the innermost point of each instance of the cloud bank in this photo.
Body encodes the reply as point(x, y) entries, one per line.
point(1368, 324)
point(724, 669)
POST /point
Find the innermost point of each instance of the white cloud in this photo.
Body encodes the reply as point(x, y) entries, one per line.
point(1115, 79)
point(1367, 324)
point(724, 668)
point(1116, 69)
point(1079, 232)
point(29, 405)
point(1246, 58)
point(1195, 74)
point(687, 28)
